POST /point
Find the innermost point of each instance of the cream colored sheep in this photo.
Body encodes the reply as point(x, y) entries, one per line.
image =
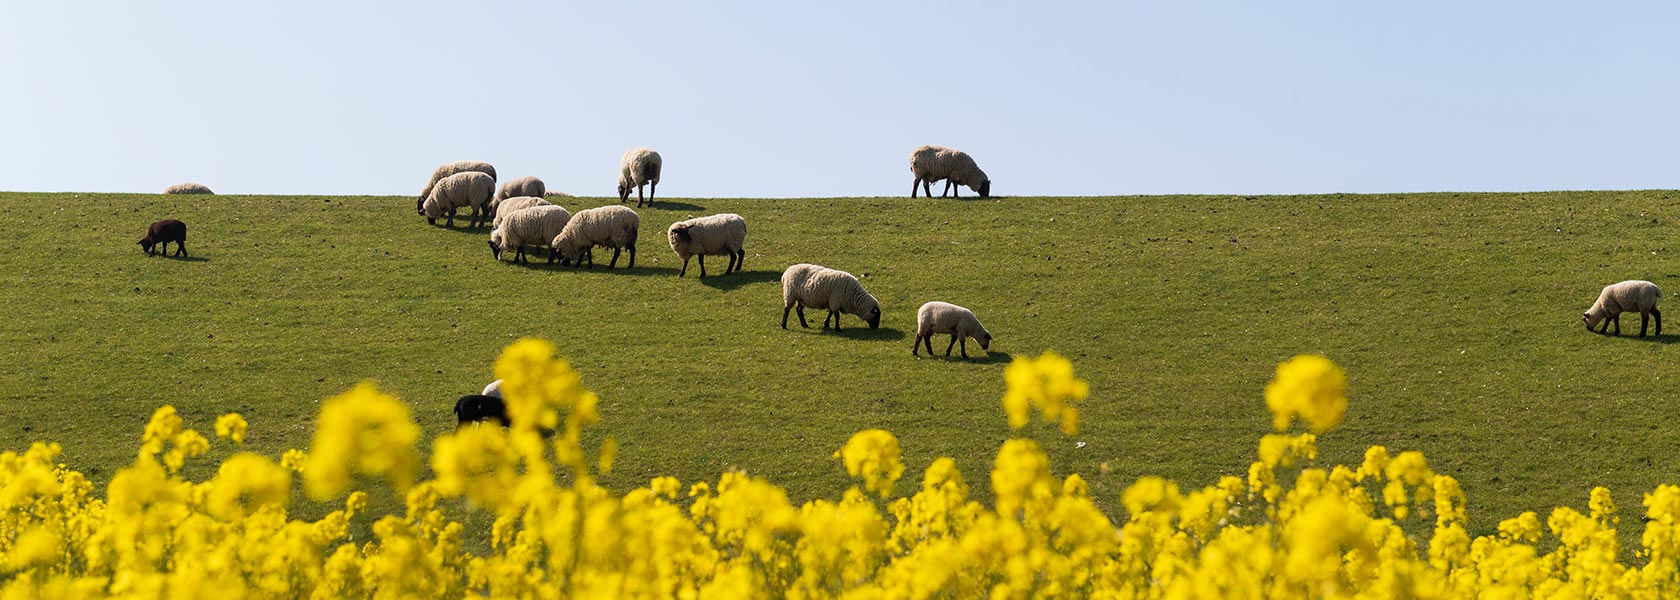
point(554, 194)
point(512, 204)
point(638, 167)
point(835, 291)
point(1627, 296)
point(514, 188)
point(611, 226)
point(471, 188)
point(944, 317)
point(447, 169)
point(188, 188)
point(723, 234)
point(533, 226)
point(957, 168)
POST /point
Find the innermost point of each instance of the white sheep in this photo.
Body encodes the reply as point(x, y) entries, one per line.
point(1627, 296)
point(555, 194)
point(533, 226)
point(723, 234)
point(471, 188)
point(188, 188)
point(512, 204)
point(494, 389)
point(514, 188)
point(610, 226)
point(639, 166)
point(944, 317)
point(821, 287)
point(447, 169)
point(933, 163)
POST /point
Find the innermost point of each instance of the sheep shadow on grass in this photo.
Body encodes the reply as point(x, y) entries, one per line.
point(978, 356)
point(188, 258)
point(1667, 338)
point(854, 329)
point(663, 205)
point(739, 278)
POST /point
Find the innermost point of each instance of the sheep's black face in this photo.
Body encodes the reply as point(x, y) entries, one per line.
point(420, 205)
point(985, 188)
point(682, 233)
point(985, 342)
point(146, 246)
point(874, 318)
point(495, 251)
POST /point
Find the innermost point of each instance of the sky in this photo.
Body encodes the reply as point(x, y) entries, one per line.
point(807, 99)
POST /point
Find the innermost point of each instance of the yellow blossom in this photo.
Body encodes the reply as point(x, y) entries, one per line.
point(1046, 382)
point(231, 426)
point(1309, 386)
point(872, 455)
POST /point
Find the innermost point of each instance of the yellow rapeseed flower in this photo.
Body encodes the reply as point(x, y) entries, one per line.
point(1046, 382)
point(1309, 386)
point(231, 426)
point(362, 431)
point(246, 482)
point(873, 456)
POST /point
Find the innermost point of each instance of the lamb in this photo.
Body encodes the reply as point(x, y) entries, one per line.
point(1627, 296)
point(821, 287)
point(639, 166)
point(611, 226)
point(161, 233)
point(529, 226)
point(447, 169)
point(944, 317)
point(510, 205)
point(471, 188)
point(188, 188)
point(474, 408)
point(514, 188)
point(717, 234)
point(933, 163)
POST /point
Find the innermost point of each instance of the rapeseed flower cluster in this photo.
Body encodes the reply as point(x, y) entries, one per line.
point(1389, 527)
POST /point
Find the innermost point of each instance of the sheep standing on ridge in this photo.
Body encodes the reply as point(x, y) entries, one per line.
point(944, 317)
point(1627, 296)
point(533, 226)
point(447, 169)
point(471, 188)
point(717, 234)
point(957, 168)
point(188, 188)
point(611, 226)
point(639, 166)
point(514, 188)
point(821, 287)
point(160, 233)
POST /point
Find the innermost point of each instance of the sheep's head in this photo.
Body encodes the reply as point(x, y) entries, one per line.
point(680, 231)
point(623, 190)
point(420, 205)
point(985, 339)
point(495, 249)
point(874, 317)
point(985, 190)
point(146, 244)
point(1591, 318)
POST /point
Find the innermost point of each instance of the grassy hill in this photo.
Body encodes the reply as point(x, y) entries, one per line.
point(1457, 317)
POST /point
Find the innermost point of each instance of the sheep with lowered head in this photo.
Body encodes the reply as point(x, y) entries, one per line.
point(161, 232)
point(1627, 296)
point(821, 287)
point(514, 188)
point(957, 168)
point(510, 205)
point(447, 169)
point(638, 167)
point(944, 317)
point(723, 234)
point(188, 188)
point(471, 188)
point(533, 226)
point(610, 226)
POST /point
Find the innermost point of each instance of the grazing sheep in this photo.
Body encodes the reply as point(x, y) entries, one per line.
point(944, 317)
point(474, 408)
point(1627, 296)
point(933, 163)
point(188, 188)
point(638, 167)
point(717, 234)
point(471, 188)
point(510, 205)
point(611, 226)
point(527, 227)
point(447, 169)
point(514, 188)
point(161, 233)
point(494, 389)
point(821, 287)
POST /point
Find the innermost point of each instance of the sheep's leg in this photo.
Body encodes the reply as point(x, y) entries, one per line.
point(1644, 320)
point(785, 310)
point(962, 342)
point(956, 190)
point(927, 188)
point(653, 190)
point(684, 270)
point(916, 345)
point(451, 222)
point(702, 265)
point(180, 248)
point(947, 190)
point(801, 307)
point(639, 195)
point(1618, 320)
point(614, 263)
point(1658, 314)
point(928, 339)
point(951, 345)
point(836, 315)
point(913, 185)
point(740, 259)
point(632, 248)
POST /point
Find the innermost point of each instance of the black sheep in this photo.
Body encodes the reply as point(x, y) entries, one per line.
point(165, 231)
point(473, 408)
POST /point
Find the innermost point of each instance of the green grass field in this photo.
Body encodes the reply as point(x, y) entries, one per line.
point(1457, 317)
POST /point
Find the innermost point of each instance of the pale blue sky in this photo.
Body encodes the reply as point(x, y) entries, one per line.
point(828, 99)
